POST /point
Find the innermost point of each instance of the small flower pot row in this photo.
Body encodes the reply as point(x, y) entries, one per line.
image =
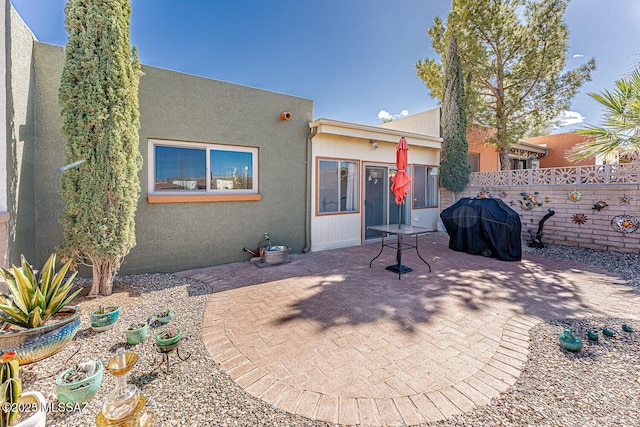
point(105, 318)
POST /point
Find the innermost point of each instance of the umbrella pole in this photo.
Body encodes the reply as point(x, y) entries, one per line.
point(399, 216)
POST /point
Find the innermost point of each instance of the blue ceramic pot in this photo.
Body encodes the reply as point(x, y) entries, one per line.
point(161, 319)
point(39, 343)
point(80, 391)
point(104, 321)
point(166, 319)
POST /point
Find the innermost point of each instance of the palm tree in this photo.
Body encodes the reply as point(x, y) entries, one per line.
point(620, 128)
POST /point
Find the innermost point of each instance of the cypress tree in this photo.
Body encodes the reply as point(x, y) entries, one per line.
point(99, 98)
point(454, 167)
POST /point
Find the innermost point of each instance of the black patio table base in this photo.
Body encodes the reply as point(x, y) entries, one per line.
point(400, 231)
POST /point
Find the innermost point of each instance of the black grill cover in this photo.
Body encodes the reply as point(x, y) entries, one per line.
point(484, 226)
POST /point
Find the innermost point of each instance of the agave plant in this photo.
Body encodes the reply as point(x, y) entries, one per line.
point(34, 300)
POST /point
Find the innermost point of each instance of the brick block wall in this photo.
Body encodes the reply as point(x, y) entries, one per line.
point(595, 233)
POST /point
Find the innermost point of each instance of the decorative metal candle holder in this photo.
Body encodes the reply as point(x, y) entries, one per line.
point(166, 346)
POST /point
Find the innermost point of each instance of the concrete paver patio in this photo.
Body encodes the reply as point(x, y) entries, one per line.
point(326, 337)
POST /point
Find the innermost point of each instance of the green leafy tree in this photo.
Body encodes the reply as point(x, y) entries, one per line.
point(99, 99)
point(514, 54)
point(620, 127)
point(454, 167)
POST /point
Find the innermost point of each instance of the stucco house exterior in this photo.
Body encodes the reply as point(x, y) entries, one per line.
point(482, 156)
point(558, 146)
point(351, 170)
point(220, 165)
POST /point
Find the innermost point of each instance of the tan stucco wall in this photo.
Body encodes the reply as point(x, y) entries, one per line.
point(345, 229)
point(557, 146)
point(425, 123)
point(476, 137)
point(20, 91)
point(428, 123)
point(181, 107)
point(4, 239)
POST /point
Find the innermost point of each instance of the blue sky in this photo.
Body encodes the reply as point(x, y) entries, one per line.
point(353, 58)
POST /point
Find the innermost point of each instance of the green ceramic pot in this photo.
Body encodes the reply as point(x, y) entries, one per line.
point(80, 391)
point(166, 342)
point(137, 335)
point(569, 342)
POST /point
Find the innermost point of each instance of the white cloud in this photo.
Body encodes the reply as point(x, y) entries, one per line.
point(567, 118)
point(578, 55)
point(385, 116)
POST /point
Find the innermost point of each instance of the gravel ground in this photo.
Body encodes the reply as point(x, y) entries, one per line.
point(194, 393)
point(624, 265)
point(600, 386)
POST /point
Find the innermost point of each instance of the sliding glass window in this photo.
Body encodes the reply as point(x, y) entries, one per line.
point(337, 186)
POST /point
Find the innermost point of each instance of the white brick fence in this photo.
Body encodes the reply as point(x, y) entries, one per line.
point(572, 175)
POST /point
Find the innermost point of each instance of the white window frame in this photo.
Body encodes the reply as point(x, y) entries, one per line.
point(152, 143)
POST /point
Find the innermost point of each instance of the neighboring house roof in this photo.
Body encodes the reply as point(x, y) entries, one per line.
point(375, 133)
point(526, 149)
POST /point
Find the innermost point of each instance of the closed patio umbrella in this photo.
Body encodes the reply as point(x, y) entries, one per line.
point(401, 181)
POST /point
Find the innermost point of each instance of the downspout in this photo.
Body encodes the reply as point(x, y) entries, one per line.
point(307, 209)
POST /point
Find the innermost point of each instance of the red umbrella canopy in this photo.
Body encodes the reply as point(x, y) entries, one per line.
point(401, 182)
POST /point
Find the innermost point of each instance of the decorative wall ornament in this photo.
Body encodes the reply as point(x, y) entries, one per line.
point(599, 205)
point(547, 199)
point(536, 239)
point(625, 223)
point(574, 195)
point(530, 200)
point(579, 218)
point(484, 195)
point(503, 194)
point(625, 200)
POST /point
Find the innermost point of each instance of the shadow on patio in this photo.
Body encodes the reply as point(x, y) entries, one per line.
point(325, 332)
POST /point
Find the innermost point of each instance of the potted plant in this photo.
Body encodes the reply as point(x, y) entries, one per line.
point(79, 383)
point(104, 318)
point(136, 333)
point(163, 316)
point(168, 339)
point(38, 322)
point(12, 398)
